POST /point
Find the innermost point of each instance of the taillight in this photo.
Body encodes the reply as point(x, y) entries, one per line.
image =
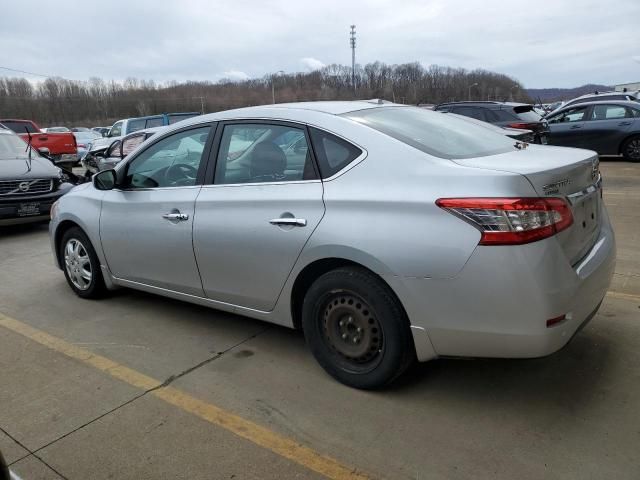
point(511, 221)
point(521, 125)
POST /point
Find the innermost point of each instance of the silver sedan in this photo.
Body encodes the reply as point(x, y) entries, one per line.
point(387, 233)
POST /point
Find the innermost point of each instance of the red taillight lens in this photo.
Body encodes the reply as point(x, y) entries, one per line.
point(511, 221)
point(526, 126)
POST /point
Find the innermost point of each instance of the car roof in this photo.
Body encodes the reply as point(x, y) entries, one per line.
point(482, 103)
point(330, 107)
point(605, 94)
point(628, 103)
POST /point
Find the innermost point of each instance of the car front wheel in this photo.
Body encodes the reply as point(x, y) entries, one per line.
point(356, 328)
point(81, 265)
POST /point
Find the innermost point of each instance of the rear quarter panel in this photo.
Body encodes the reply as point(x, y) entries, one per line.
point(382, 212)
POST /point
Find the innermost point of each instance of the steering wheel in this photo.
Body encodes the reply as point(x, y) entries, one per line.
point(179, 172)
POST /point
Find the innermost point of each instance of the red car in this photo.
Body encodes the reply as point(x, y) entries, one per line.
point(61, 147)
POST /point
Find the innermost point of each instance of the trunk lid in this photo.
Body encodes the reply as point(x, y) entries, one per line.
point(569, 173)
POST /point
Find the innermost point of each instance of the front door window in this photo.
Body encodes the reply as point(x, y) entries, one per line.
point(174, 161)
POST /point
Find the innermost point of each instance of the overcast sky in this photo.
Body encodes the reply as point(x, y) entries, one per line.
point(542, 43)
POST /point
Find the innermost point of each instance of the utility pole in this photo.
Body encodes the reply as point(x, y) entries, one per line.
point(470, 87)
point(273, 88)
point(202, 105)
point(352, 41)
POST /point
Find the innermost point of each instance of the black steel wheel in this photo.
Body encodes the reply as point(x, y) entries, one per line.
point(352, 330)
point(356, 328)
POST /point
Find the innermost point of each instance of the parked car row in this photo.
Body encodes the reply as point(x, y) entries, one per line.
point(107, 155)
point(609, 127)
point(503, 114)
point(608, 123)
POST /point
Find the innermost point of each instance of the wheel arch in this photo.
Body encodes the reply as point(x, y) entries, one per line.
point(625, 140)
point(61, 229)
point(316, 269)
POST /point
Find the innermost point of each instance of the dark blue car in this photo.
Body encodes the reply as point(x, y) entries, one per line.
point(608, 127)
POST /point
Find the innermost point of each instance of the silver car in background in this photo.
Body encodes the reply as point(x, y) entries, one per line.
point(388, 233)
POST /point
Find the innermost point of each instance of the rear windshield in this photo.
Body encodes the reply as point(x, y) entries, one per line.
point(19, 127)
point(439, 135)
point(527, 113)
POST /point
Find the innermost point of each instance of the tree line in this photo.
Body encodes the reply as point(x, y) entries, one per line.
point(58, 101)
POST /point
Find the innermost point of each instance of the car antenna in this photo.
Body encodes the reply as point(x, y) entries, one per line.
point(28, 149)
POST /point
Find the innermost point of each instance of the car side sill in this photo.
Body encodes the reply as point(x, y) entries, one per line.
point(205, 302)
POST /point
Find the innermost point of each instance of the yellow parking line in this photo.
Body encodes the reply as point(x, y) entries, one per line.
point(241, 427)
point(624, 296)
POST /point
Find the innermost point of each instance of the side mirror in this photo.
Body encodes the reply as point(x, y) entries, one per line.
point(105, 180)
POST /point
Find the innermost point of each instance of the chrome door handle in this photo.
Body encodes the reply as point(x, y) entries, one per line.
point(176, 216)
point(575, 127)
point(623, 124)
point(296, 222)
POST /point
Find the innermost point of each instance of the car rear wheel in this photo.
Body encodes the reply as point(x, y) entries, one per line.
point(631, 149)
point(81, 265)
point(356, 328)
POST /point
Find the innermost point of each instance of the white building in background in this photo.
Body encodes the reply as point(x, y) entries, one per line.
point(630, 87)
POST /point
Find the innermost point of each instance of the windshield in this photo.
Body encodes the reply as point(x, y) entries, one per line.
point(440, 135)
point(12, 147)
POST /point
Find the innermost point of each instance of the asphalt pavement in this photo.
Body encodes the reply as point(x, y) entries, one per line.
point(137, 386)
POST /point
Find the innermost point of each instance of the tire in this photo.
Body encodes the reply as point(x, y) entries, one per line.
point(356, 328)
point(631, 149)
point(76, 254)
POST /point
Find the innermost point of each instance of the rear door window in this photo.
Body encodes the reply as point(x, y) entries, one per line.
point(263, 153)
point(332, 153)
point(504, 116)
point(471, 112)
point(129, 144)
point(609, 112)
point(135, 125)
point(154, 122)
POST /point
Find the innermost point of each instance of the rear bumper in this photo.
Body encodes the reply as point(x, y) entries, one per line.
point(499, 304)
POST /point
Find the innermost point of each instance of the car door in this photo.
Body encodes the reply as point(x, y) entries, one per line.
point(566, 127)
point(146, 224)
point(606, 127)
point(257, 212)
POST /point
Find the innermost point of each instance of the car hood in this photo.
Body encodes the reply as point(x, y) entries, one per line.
point(103, 143)
point(19, 168)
